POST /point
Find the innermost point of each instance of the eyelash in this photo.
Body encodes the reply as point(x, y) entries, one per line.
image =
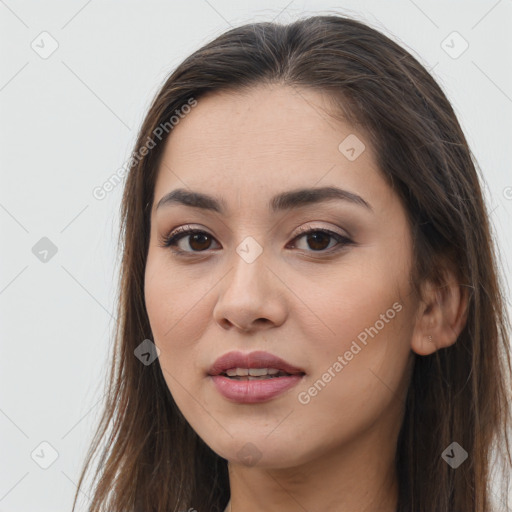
point(175, 236)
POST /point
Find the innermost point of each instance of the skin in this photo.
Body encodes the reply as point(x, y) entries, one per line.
point(335, 453)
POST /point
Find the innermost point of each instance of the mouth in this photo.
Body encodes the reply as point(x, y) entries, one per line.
point(252, 364)
point(255, 373)
point(253, 377)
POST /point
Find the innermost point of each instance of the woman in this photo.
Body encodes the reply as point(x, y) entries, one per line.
point(310, 313)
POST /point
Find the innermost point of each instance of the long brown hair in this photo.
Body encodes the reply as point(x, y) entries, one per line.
point(151, 459)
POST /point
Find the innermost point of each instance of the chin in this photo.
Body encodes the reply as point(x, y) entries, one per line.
point(252, 450)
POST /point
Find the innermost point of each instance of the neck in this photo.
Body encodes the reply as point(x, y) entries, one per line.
point(359, 477)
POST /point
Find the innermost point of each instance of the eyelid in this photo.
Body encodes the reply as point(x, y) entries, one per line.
point(308, 227)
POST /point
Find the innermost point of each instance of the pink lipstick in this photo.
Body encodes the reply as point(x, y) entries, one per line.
point(253, 377)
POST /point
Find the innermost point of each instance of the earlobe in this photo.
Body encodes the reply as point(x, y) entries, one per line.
point(442, 315)
point(423, 345)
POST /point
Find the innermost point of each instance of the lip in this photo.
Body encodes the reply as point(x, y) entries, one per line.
point(253, 391)
point(258, 359)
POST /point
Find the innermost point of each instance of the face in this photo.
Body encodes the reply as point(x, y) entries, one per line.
point(321, 283)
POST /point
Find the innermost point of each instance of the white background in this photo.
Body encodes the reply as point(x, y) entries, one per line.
point(68, 123)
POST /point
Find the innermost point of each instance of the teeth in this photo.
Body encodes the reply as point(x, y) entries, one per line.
point(253, 372)
point(258, 372)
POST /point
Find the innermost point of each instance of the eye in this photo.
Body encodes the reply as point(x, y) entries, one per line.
point(199, 240)
point(318, 240)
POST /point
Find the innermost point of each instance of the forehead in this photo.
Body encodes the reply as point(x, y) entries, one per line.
point(266, 139)
point(264, 120)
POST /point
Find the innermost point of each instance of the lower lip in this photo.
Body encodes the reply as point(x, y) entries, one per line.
point(254, 391)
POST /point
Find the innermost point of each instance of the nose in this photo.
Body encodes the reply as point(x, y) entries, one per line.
point(251, 298)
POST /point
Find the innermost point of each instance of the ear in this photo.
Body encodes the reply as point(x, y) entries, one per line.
point(441, 315)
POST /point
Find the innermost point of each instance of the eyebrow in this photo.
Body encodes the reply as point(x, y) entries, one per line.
point(284, 201)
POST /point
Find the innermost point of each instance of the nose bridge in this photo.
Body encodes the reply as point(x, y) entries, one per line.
point(249, 290)
point(249, 270)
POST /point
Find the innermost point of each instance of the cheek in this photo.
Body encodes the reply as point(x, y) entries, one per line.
point(179, 310)
point(175, 303)
point(359, 357)
point(356, 306)
point(355, 384)
point(178, 303)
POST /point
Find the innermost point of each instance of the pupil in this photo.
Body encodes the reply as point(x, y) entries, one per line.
point(198, 237)
point(321, 235)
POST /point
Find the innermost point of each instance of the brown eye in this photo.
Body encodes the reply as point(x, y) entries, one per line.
point(194, 240)
point(318, 240)
point(199, 241)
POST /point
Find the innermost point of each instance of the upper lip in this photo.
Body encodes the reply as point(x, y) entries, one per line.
point(258, 359)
